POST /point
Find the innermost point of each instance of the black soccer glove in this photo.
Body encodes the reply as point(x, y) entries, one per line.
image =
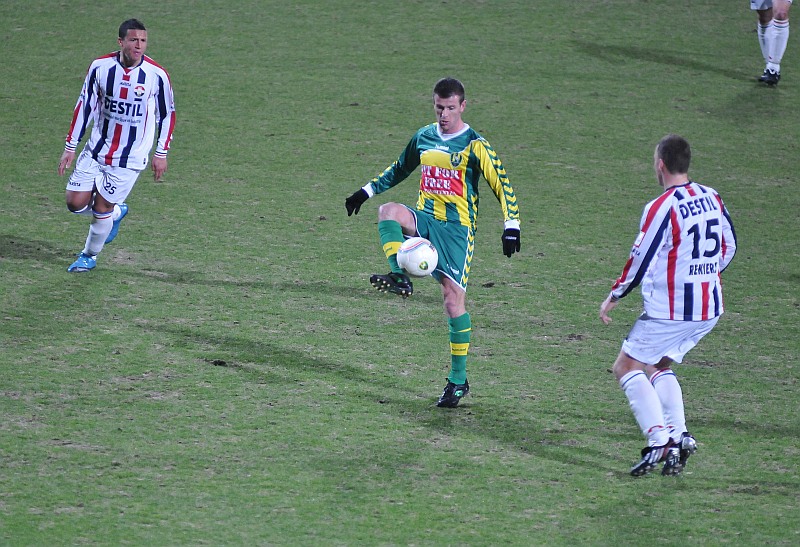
point(354, 202)
point(510, 241)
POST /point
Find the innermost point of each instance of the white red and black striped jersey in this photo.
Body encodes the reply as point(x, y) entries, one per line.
point(686, 240)
point(127, 108)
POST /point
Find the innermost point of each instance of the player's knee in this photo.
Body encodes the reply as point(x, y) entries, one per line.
point(390, 211)
point(77, 208)
point(625, 364)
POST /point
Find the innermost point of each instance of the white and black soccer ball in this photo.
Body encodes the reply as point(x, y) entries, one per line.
point(418, 257)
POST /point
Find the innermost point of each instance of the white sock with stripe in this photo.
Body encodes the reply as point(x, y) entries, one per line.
point(671, 396)
point(646, 406)
point(778, 38)
point(98, 232)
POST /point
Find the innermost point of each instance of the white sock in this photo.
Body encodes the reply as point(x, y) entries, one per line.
point(115, 214)
point(98, 232)
point(762, 40)
point(777, 44)
point(671, 396)
point(646, 406)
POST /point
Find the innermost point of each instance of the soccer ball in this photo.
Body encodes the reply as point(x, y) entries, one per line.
point(418, 256)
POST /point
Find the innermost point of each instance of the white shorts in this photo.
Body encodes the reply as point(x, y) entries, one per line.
point(650, 339)
point(113, 183)
point(762, 4)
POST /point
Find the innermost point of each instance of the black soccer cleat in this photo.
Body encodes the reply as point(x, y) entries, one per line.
point(392, 282)
point(679, 454)
point(688, 446)
point(652, 456)
point(452, 394)
point(770, 77)
point(672, 462)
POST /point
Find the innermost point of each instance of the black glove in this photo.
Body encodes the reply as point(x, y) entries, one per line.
point(354, 202)
point(510, 241)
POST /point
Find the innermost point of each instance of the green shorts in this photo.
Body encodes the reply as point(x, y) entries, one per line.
point(454, 242)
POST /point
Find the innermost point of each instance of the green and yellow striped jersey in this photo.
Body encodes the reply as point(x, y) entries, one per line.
point(451, 166)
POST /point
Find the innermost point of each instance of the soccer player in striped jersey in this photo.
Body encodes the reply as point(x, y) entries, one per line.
point(773, 35)
point(685, 241)
point(127, 98)
point(452, 157)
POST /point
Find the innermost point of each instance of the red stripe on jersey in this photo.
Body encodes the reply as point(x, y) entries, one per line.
point(724, 243)
point(624, 275)
point(114, 144)
point(690, 190)
point(168, 140)
point(123, 91)
point(75, 114)
point(655, 207)
point(706, 298)
point(672, 260)
point(152, 62)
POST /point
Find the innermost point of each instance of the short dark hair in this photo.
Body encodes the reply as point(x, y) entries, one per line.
point(130, 24)
point(447, 87)
point(676, 154)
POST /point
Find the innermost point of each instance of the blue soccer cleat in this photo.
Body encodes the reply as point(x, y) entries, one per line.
point(123, 208)
point(83, 264)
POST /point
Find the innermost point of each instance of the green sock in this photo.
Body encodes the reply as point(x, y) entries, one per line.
point(460, 330)
point(391, 238)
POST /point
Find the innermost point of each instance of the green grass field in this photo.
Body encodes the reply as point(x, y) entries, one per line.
point(228, 376)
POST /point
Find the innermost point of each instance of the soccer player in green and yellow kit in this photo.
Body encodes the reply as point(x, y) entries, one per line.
point(452, 157)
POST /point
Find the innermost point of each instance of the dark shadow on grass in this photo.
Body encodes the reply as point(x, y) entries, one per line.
point(540, 435)
point(523, 432)
point(253, 357)
point(756, 105)
point(617, 55)
point(18, 248)
point(520, 432)
point(360, 286)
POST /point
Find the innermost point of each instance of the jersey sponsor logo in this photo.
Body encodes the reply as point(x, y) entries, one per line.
point(112, 106)
point(441, 181)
